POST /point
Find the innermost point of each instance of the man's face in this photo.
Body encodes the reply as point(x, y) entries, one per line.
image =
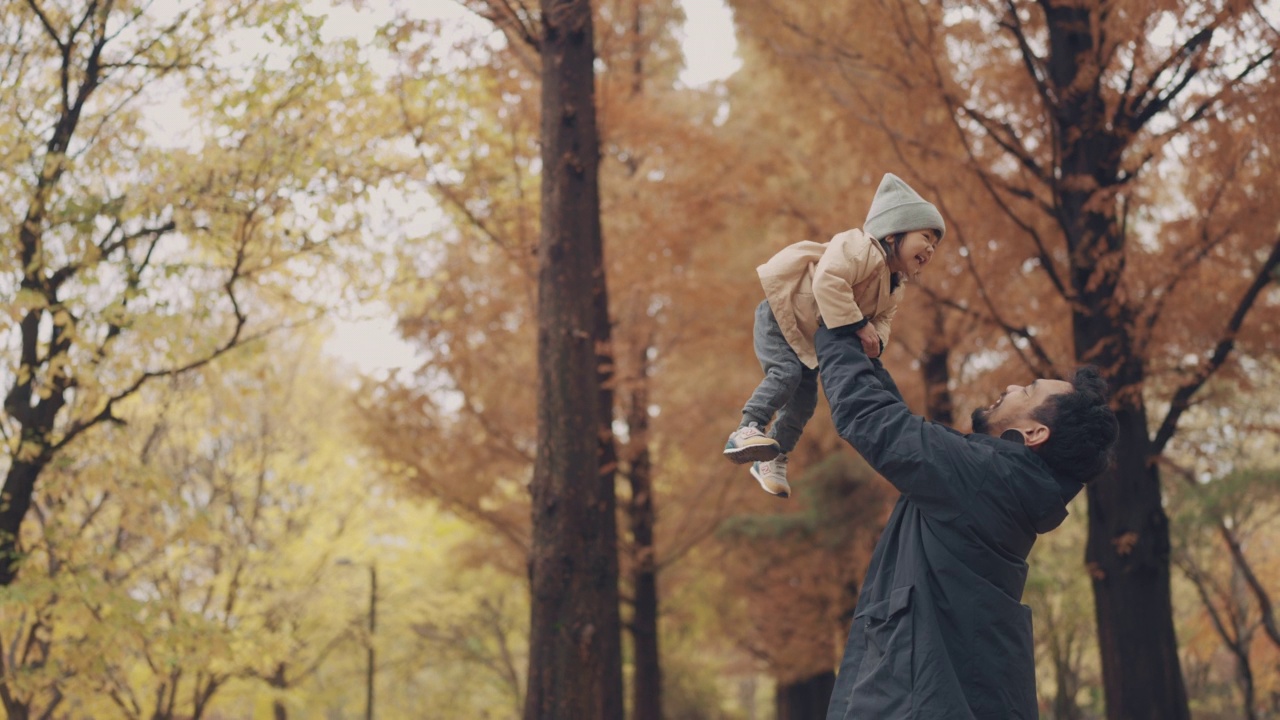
point(1015, 406)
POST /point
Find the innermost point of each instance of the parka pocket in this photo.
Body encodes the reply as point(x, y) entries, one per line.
point(886, 675)
point(1003, 683)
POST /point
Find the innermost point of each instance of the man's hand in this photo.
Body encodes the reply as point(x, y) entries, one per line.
point(870, 340)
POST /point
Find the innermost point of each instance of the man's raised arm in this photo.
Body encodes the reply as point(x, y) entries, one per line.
point(925, 461)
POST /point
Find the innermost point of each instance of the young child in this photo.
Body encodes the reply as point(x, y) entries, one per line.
point(855, 279)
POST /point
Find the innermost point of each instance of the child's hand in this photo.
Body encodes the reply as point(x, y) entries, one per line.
point(870, 340)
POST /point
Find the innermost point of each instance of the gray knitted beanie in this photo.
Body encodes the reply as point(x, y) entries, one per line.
point(897, 209)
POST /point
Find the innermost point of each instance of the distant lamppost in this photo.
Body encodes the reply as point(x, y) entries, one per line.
point(373, 624)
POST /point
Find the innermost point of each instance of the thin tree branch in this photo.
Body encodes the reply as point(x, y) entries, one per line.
point(1141, 109)
point(1208, 103)
point(1236, 550)
point(1007, 138)
point(1191, 257)
point(1046, 259)
point(1042, 366)
point(1182, 398)
point(1200, 582)
point(1033, 64)
point(48, 26)
point(512, 17)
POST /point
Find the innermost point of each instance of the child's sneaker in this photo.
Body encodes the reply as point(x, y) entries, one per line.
point(748, 444)
point(772, 476)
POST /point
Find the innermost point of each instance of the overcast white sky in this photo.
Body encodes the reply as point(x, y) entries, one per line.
point(372, 344)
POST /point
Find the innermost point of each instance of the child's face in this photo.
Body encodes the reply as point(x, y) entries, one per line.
point(915, 250)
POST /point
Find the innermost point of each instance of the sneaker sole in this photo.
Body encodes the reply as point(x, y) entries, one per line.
point(752, 453)
point(780, 493)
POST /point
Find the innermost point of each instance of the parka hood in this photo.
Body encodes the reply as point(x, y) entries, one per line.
point(1043, 494)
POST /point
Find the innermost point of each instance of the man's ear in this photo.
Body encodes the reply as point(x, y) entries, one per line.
point(1036, 435)
point(1033, 436)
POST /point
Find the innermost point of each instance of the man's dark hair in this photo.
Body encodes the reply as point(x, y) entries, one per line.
point(1082, 427)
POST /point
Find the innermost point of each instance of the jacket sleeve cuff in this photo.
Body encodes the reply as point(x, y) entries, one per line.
point(850, 330)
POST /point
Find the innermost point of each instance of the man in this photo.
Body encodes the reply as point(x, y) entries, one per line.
point(939, 631)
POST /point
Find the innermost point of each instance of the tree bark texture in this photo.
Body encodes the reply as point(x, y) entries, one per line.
point(1128, 558)
point(15, 500)
point(37, 413)
point(575, 647)
point(647, 677)
point(279, 681)
point(1128, 547)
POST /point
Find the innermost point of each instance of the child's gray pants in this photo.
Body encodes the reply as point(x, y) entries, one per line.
point(789, 390)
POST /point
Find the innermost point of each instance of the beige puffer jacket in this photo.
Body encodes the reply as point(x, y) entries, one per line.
point(840, 281)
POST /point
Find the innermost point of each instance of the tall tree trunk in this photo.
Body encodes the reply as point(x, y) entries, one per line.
point(1064, 656)
point(25, 402)
point(805, 699)
point(647, 680)
point(279, 680)
point(36, 411)
point(575, 666)
point(1065, 706)
point(646, 683)
point(15, 709)
point(1128, 547)
point(1128, 558)
point(19, 487)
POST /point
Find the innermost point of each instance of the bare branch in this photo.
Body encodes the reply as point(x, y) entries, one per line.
point(989, 182)
point(513, 18)
point(1264, 18)
point(1195, 47)
point(1182, 398)
point(1236, 549)
point(58, 697)
point(1033, 64)
point(1201, 584)
point(1131, 75)
point(1191, 257)
point(1209, 103)
point(519, 257)
point(1251, 579)
point(95, 508)
point(1140, 109)
point(92, 66)
point(1007, 138)
point(107, 414)
point(48, 26)
point(1042, 365)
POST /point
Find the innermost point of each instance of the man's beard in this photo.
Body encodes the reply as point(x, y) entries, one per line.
point(979, 420)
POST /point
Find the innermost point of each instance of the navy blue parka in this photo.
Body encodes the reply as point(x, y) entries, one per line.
point(939, 632)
